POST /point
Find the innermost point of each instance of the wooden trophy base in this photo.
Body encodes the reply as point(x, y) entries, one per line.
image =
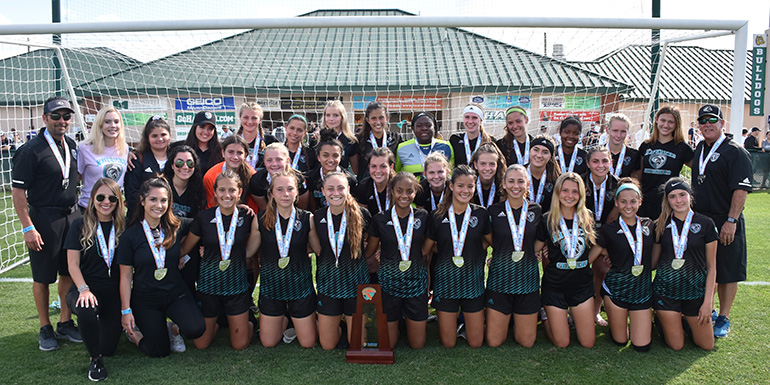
point(370, 356)
point(383, 354)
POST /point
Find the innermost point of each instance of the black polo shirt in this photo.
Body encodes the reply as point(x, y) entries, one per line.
point(728, 169)
point(36, 170)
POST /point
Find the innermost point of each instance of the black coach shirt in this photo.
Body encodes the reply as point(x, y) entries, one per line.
point(36, 170)
point(728, 169)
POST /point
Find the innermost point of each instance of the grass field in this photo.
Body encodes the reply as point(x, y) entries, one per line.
point(740, 358)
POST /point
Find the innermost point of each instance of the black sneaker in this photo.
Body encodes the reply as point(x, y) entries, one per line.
point(96, 370)
point(68, 331)
point(47, 339)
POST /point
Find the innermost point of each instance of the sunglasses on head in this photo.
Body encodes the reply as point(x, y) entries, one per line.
point(111, 198)
point(179, 163)
point(711, 120)
point(56, 116)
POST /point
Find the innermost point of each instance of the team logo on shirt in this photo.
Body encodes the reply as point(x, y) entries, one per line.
point(74, 153)
point(715, 157)
point(578, 161)
point(473, 222)
point(695, 228)
point(240, 222)
point(549, 186)
point(302, 158)
point(112, 171)
point(417, 223)
point(645, 230)
point(658, 160)
point(558, 238)
point(297, 225)
point(627, 161)
point(530, 217)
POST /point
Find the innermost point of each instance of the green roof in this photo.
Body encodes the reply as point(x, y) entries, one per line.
point(689, 73)
point(31, 78)
point(334, 60)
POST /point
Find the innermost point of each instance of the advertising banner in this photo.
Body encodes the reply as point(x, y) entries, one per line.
point(212, 103)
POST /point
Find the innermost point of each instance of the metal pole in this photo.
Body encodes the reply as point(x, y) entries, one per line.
point(739, 81)
point(655, 62)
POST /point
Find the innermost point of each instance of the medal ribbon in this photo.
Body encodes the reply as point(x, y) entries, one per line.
point(572, 161)
point(374, 140)
point(621, 157)
point(570, 238)
point(284, 240)
point(158, 253)
point(458, 240)
point(377, 198)
point(636, 246)
point(517, 231)
point(336, 240)
point(599, 198)
point(253, 157)
point(680, 241)
point(466, 143)
point(522, 159)
point(433, 200)
point(226, 241)
point(295, 161)
point(404, 239)
point(419, 149)
point(491, 198)
point(702, 164)
point(539, 197)
point(107, 249)
point(64, 164)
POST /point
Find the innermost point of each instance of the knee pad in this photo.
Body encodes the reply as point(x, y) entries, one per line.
point(642, 349)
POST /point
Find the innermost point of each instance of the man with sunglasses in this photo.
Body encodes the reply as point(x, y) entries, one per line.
point(45, 176)
point(721, 180)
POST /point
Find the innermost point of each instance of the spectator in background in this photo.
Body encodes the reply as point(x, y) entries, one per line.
point(766, 142)
point(16, 139)
point(691, 135)
point(226, 132)
point(744, 135)
point(751, 142)
point(543, 130)
point(5, 143)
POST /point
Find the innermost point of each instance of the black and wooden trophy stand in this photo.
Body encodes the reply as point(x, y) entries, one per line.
point(357, 353)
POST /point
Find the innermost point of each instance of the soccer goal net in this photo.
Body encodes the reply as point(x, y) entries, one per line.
point(553, 68)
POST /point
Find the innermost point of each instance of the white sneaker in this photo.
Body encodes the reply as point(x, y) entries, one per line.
point(289, 335)
point(177, 342)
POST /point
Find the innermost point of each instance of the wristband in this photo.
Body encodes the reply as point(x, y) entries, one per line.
point(125, 311)
point(731, 219)
point(83, 288)
point(27, 229)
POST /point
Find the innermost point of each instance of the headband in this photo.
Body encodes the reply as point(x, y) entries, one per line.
point(542, 142)
point(474, 110)
point(298, 116)
point(628, 186)
point(429, 115)
point(677, 184)
point(518, 109)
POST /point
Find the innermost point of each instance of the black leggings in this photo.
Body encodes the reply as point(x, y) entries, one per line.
point(150, 312)
point(100, 326)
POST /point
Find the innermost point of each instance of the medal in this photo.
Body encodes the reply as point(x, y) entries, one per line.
point(636, 270)
point(572, 263)
point(64, 164)
point(522, 159)
point(599, 198)
point(458, 261)
point(680, 241)
point(158, 252)
point(619, 166)
point(571, 240)
point(284, 240)
point(516, 256)
point(404, 239)
point(468, 152)
point(107, 249)
point(636, 245)
point(541, 183)
point(517, 229)
point(253, 158)
point(227, 240)
point(458, 238)
point(702, 164)
point(160, 273)
point(490, 199)
point(564, 168)
point(336, 239)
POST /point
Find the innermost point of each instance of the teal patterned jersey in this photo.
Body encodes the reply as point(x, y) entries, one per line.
point(294, 281)
point(339, 279)
point(620, 282)
point(403, 284)
point(506, 275)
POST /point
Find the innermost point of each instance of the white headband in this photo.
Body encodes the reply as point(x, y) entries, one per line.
point(473, 110)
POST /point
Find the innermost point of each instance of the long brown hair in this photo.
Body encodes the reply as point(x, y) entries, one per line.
point(678, 131)
point(355, 230)
point(552, 168)
point(243, 168)
point(271, 210)
point(461, 170)
point(169, 223)
point(490, 148)
point(366, 129)
point(666, 211)
point(508, 138)
point(90, 219)
point(582, 214)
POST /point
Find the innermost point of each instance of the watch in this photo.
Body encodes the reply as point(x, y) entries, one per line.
point(731, 219)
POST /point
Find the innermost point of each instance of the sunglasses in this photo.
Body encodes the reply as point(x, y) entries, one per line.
point(711, 120)
point(56, 116)
point(179, 163)
point(111, 198)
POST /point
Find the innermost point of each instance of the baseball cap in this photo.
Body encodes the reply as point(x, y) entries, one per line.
point(710, 110)
point(204, 117)
point(754, 129)
point(57, 104)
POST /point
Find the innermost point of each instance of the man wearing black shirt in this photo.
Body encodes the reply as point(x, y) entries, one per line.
point(721, 179)
point(752, 141)
point(44, 195)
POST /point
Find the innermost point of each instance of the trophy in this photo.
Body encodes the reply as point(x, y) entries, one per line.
point(375, 349)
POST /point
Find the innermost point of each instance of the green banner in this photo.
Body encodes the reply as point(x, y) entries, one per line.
point(583, 103)
point(139, 118)
point(757, 101)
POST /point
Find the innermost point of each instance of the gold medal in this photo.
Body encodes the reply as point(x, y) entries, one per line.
point(283, 262)
point(677, 263)
point(516, 256)
point(458, 261)
point(572, 263)
point(404, 265)
point(636, 270)
point(160, 274)
point(223, 265)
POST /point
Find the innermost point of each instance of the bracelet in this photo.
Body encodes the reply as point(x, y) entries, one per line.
point(83, 288)
point(27, 229)
point(125, 311)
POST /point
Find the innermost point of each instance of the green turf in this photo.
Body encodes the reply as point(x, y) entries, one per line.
point(740, 358)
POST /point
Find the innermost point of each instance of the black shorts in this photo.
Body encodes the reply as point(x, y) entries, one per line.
point(295, 308)
point(646, 305)
point(688, 308)
point(513, 303)
point(565, 299)
point(213, 305)
point(453, 305)
point(414, 308)
point(52, 259)
point(731, 259)
point(335, 306)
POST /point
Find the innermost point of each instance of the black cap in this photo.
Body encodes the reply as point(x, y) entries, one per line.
point(754, 129)
point(710, 110)
point(57, 104)
point(204, 117)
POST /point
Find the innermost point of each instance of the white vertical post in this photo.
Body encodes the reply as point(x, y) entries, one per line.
point(739, 81)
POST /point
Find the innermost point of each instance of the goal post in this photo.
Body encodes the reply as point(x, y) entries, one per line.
point(407, 62)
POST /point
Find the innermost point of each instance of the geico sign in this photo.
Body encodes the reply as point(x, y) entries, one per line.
point(204, 102)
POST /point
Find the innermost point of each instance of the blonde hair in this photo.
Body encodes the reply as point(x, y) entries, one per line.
point(271, 210)
point(437, 157)
point(96, 137)
point(355, 230)
point(582, 214)
point(254, 106)
point(482, 132)
point(344, 125)
point(90, 219)
point(620, 118)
